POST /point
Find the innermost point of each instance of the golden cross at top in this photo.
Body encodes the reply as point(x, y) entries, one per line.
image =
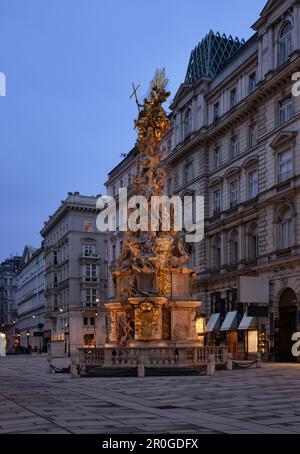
point(134, 94)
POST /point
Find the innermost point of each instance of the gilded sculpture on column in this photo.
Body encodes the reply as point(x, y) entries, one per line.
point(148, 259)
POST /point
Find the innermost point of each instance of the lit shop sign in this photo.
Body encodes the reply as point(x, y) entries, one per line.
point(296, 346)
point(2, 344)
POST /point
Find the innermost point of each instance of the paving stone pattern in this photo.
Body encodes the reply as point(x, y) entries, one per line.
point(251, 401)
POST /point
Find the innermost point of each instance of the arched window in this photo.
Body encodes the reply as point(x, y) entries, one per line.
point(285, 231)
point(285, 43)
point(234, 248)
point(253, 241)
point(187, 122)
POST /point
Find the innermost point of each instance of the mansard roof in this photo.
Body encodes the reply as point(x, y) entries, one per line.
point(210, 56)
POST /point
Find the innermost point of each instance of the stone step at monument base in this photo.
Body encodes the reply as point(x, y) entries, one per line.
point(149, 371)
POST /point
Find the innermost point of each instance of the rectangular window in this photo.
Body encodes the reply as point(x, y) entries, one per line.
point(253, 247)
point(252, 82)
point(233, 147)
point(188, 172)
point(233, 98)
point(55, 261)
point(91, 295)
point(216, 111)
point(252, 135)
point(88, 250)
point(89, 341)
point(217, 157)
point(285, 167)
point(286, 235)
point(217, 257)
point(285, 110)
point(253, 184)
point(233, 194)
point(113, 252)
point(87, 272)
point(235, 252)
point(217, 201)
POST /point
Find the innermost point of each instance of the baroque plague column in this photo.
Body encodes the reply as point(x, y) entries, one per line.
point(153, 306)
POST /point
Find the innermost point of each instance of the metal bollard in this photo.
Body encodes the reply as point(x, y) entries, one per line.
point(229, 361)
point(211, 365)
point(258, 360)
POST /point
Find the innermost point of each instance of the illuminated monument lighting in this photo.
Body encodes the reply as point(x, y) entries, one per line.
point(153, 305)
point(152, 321)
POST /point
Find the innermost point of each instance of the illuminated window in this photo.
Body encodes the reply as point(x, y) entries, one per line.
point(89, 341)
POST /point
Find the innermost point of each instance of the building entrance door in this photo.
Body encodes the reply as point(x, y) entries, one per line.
point(287, 324)
point(233, 343)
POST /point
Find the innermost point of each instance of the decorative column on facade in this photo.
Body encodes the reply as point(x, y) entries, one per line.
point(242, 255)
point(271, 48)
point(224, 251)
point(178, 131)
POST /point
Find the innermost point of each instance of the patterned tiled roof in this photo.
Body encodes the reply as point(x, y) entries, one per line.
point(210, 56)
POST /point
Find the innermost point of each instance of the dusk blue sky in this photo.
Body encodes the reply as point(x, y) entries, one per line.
point(69, 65)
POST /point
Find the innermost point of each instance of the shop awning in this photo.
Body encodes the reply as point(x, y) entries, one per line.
point(248, 323)
point(230, 322)
point(214, 323)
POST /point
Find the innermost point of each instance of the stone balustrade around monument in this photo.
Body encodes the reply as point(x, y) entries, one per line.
point(150, 357)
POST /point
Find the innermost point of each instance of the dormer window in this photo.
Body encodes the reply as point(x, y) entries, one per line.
point(285, 43)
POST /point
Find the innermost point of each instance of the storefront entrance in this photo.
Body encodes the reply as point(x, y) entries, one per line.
point(287, 324)
point(233, 343)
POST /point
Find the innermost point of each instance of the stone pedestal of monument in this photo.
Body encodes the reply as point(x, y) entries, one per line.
point(165, 316)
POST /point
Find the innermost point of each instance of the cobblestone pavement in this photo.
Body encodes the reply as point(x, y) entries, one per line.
point(258, 401)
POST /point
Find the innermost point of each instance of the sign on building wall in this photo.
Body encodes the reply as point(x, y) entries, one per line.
point(254, 290)
point(2, 344)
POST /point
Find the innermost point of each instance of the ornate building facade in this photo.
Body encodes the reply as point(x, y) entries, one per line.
point(75, 276)
point(235, 141)
point(8, 299)
point(31, 300)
